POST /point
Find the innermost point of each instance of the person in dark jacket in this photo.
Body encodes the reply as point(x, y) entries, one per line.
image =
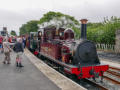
point(18, 48)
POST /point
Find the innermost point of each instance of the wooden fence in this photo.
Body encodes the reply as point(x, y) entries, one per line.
point(105, 47)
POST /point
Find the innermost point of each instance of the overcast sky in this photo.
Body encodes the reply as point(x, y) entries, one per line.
point(14, 13)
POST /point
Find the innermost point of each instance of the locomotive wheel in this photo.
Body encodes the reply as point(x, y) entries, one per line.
point(39, 55)
point(73, 77)
point(42, 57)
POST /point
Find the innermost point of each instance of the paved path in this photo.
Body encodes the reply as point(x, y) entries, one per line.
point(30, 78)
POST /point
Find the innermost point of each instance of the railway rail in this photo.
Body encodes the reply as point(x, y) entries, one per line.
point(112, 80)
point(100, 86)
point(115, 72)
point(114, 68)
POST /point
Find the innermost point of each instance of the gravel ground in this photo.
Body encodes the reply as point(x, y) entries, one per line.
point(110, 56)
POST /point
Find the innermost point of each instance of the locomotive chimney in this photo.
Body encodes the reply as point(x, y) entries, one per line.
point(83, 28)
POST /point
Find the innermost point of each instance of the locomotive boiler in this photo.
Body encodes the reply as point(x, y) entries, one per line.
point(73, 57)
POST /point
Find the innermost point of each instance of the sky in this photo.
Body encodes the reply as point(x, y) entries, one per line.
point(14, 13)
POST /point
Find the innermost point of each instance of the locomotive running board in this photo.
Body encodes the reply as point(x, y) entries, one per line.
point(58, 62)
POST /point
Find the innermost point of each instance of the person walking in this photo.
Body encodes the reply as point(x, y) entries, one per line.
point(1, 41)
point(7, 50)
point(18, 48)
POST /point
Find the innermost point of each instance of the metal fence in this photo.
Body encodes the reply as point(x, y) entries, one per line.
point(105, 47)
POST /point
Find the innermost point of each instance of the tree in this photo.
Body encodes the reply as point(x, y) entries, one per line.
point(104, 32)
point(13, 33)
point(31, 26)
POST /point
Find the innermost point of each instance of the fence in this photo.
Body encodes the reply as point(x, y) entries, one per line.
point(105, 47)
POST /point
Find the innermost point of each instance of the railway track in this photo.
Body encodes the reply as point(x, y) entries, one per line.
point(114, 72)
point(112, 80)
point(114, 68)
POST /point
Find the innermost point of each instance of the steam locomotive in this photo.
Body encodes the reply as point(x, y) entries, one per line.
point(74, 57)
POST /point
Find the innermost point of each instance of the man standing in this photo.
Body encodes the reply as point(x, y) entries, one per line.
point(7, 50)
point(18, 48)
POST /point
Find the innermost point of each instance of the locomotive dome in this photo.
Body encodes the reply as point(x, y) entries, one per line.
point(68, 30)
point(69, 34)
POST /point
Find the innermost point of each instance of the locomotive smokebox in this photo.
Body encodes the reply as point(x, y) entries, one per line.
point(83, 28)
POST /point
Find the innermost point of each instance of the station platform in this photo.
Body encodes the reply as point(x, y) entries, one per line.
point(35, 75)
point(28, 78)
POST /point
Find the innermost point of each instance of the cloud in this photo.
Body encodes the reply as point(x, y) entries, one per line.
point(13, 20)
point(14, 13)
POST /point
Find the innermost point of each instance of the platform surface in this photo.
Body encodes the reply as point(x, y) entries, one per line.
point(30, 78)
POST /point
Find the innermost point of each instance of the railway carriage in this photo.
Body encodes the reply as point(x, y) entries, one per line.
point(77, 58)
